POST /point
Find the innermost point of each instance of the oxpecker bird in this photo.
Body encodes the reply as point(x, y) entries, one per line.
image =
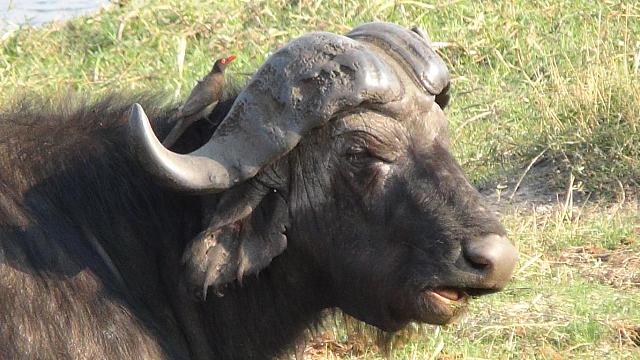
point(201, 101)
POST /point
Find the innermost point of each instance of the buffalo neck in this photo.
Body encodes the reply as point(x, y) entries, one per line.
point(267, 313)
point(258, 318)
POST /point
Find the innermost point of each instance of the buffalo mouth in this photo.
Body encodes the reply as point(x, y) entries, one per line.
point(442, 305)
point(449, 295)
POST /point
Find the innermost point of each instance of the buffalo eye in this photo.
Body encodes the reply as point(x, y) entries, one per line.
point(361, 155)
point(365, 170)
point(358, 154)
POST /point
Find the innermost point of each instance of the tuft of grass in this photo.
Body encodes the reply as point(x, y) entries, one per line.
point(549, 75)
point(545, 95)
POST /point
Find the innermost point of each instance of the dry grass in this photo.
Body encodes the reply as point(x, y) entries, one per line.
point(628, 333)
point(552, 77)
point(619, 268)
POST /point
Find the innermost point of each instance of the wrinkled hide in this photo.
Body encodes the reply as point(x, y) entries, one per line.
point(379, 67)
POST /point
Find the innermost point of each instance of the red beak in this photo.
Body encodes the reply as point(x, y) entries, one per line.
point(229, 59)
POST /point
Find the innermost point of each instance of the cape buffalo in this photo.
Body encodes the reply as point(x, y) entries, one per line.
point(326, 183)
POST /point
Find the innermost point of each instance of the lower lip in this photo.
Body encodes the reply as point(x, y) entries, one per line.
point(441, 307)
point(452, 297)
point(449, 295)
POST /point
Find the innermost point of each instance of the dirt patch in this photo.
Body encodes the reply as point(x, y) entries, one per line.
point(619, 268)
point(326, 345)
point(357, 340)
point(532, 185)
point(538, 187)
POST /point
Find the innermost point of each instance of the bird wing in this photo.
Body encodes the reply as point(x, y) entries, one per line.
point(198, 99)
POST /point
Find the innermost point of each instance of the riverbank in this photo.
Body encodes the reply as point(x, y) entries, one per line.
point(33, 13)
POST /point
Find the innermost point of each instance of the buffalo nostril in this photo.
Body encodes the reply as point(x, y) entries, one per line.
point(478, 262)
point(494, 256)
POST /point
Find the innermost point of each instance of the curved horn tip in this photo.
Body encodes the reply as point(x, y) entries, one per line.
point(139, 123)
point(194, 174)
point(137, 112)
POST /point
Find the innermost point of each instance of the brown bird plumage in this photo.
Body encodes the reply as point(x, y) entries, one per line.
point(201, 101)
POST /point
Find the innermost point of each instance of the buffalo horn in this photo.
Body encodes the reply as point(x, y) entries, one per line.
point(300, 87)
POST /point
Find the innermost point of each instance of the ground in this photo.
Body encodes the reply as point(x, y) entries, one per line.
point(544, 118)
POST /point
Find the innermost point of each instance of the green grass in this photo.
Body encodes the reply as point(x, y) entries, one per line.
point(556, 78)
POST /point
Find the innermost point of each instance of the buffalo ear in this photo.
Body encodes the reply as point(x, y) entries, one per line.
point(443, 98)
point(246, 232)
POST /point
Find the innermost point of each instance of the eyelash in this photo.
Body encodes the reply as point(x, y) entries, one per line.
point(359, 153)
point(353, 150)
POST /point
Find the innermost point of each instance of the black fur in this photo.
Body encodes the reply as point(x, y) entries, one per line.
point(68, 175)
point(70, 189)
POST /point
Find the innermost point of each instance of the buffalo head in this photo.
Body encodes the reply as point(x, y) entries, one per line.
point(337, 150)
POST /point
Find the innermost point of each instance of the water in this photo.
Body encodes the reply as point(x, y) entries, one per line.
point(14, 13)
